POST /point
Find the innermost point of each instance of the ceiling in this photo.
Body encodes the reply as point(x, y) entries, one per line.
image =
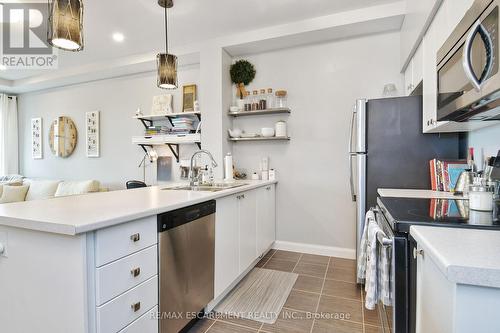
point(141, 22)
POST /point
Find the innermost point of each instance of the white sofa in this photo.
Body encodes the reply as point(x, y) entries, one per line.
point(16, 190)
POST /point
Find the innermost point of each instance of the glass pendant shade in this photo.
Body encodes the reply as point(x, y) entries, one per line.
point(65, 24)
point(167, 70)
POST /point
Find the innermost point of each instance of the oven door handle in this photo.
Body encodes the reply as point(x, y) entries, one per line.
point(385, 241)
point(466, 58)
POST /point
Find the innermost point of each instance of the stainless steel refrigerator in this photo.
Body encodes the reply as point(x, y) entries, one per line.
point(387, 149)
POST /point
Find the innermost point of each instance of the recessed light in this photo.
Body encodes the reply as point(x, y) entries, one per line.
point(118, 37)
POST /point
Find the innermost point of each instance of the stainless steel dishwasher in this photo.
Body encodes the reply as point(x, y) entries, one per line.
point(186, 264)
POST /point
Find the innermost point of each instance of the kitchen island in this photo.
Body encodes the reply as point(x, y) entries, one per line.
point(458, 279)
point(89, 263)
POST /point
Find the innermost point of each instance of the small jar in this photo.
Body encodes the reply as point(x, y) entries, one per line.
point(280, 129)
point(281, 99)
point(255, 100)
point(270, 98)
point(481, 198)
point(248, 101)
point(262, 100)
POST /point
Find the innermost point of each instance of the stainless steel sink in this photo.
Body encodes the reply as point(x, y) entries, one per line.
point(207, 188)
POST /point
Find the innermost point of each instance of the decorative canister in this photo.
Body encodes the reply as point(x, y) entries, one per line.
point(481, 198)
point(280, 129)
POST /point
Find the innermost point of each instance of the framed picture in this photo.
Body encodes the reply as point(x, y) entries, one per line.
point(92, 128)
point(188, 97)
point(162, 104)
point(36, 138)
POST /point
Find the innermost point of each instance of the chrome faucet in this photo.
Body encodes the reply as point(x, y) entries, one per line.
point(191, 173)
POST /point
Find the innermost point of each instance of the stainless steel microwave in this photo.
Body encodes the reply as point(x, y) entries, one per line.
point(467, 67)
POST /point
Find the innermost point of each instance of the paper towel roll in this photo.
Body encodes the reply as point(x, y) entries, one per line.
point(228, 167)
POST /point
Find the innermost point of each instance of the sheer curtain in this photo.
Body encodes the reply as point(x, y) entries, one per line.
point(9, 154)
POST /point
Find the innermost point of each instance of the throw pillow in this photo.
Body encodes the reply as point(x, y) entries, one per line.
point(77, 187)
point(13, 193)
point(41, 189)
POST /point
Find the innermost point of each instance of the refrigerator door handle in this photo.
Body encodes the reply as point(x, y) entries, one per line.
point(351, 176)
point(353, 116)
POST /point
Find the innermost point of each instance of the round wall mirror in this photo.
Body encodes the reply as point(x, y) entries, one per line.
point(63, 136)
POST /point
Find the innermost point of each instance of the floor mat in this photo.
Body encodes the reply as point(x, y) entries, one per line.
point(260, 296)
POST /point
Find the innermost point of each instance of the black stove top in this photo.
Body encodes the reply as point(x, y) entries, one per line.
point(401, 213)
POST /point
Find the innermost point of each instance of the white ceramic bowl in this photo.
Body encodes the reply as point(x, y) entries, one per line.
point(267, 132)
point(235, 133)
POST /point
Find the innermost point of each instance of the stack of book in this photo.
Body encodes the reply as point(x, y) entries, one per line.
point(444, 173)
point(182, 126)
point(156, 130)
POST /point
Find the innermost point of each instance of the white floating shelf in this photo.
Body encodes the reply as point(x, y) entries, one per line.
point(166, 139)
point(153, 117)
point(261, 138)
point(259, 112)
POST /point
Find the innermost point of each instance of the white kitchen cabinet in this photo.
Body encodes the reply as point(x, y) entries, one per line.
point(432, 41)
point(409, 79)
point(244, 229)
point(433, 292)
point(227, 253)
point(418, 66)
point(445, 306)
point(247, 213)
point(414, 71)
point(266, 218)
point(418, 16)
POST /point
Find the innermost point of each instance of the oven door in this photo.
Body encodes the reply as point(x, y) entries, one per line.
point(394, 318)
point(467, 77)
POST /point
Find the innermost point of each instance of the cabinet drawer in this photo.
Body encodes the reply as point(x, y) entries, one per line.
point(119, 276)
point(123, 310)
point(145, 324)
point(117, 242)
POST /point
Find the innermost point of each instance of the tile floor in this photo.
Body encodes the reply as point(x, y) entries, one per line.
point(325, 299)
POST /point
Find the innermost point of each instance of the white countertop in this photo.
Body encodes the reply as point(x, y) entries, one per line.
point(422, 194)
point(78, 214)
point(464, 256)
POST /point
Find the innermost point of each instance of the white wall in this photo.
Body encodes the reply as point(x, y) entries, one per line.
point(117, 99)
point(323, 82)
point(486, 142)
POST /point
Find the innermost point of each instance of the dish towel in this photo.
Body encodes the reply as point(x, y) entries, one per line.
point(371, 283)
point(384, 274)
point(361, 269)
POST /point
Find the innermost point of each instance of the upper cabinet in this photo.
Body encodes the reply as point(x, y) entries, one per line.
point(419, 14)
point(414, 71)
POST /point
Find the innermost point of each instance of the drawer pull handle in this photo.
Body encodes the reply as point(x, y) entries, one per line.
point(136, 306)
point(136, 271)
point(268, 188)
point(135, 237)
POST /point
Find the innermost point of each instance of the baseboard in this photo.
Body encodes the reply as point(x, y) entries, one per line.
point(330, 251)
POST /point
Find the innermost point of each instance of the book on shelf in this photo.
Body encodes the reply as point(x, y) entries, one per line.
point(444, 173)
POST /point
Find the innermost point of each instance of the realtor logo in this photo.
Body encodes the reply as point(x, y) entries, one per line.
point(24, 37)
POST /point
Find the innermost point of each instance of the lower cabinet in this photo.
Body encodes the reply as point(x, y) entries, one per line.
point(445, 306)
point(244, 230)
point(247, 213)
point(266, 218)
point(227, 255)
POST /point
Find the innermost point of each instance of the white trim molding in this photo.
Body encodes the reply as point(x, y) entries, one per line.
point(323, 250)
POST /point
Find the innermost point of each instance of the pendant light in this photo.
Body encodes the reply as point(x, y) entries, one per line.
point(166, 63)
point(65, 24)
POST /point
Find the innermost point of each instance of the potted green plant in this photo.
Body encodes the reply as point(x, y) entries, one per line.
point(242, 73)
